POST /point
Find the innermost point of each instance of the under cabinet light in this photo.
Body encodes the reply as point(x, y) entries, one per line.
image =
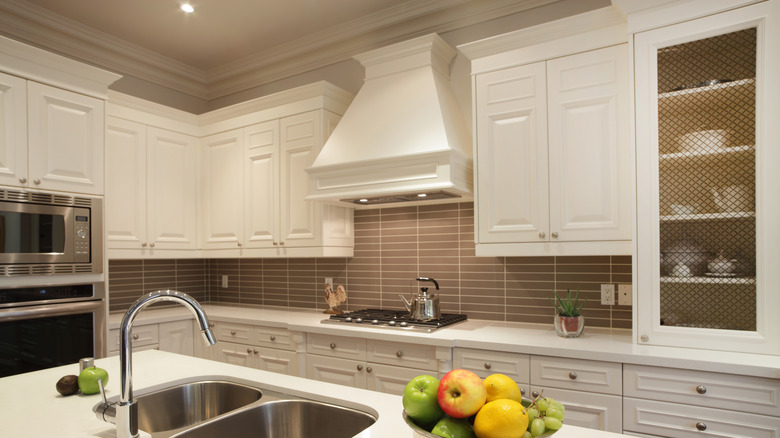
point(186, 7)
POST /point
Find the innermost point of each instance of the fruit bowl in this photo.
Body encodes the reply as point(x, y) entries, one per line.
point(422, 433)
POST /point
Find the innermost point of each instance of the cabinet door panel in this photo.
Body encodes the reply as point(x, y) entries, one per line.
point(588, 116)
point(66, 139)
point(586, 409)
point(278, 361)
point(334, 370)
point(236, 354)
point(577, 374)
point(261, 197)
point(177, 337)
point(336, 346)
point(172, 190)
point(13, 130)
point(223, 185)
point(406, 355)
point(125, 183)
point(512, 155)
point(390, 379)
point(299, 136)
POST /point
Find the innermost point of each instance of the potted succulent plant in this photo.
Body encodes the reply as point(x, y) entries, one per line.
point(568, 320)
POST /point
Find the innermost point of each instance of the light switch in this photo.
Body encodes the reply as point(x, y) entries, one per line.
point(624, 294)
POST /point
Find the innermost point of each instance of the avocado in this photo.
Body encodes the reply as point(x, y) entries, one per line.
point(68, 385)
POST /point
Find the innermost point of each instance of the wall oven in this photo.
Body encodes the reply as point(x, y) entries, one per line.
point(46, 233)
point(47, 326)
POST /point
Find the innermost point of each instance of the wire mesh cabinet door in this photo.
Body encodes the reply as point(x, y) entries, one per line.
point(708, 191)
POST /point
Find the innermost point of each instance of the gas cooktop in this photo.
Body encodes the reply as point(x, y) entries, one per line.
point(395, 319)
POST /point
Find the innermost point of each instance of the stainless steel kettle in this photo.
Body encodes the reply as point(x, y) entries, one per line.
point(423, 307)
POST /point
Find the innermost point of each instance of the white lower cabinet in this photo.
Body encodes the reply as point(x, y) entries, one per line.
point(515, 365)
point(685, 403)
point(370, 364)
point(172, 336)
point(267, 348)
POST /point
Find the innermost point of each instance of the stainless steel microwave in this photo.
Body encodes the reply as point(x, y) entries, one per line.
point(47, 233)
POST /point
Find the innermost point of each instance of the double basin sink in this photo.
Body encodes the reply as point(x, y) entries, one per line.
point(225, 406)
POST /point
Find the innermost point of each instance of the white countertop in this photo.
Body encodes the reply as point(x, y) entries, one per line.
point(613, 345)
point(30, 405)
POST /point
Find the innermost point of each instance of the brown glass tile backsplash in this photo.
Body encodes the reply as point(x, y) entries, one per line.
point(393, 246)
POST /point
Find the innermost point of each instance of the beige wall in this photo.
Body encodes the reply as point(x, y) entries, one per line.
point(392, 247)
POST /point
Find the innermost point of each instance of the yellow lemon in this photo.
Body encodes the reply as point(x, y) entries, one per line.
point(501, 418)
point(498, 386)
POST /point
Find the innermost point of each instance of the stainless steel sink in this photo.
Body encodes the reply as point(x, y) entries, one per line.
point(167, 411)
point(286, 418)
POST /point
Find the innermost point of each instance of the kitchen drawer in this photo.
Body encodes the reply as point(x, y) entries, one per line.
point(586, 409)
point(232, 332)
point(683, 421)
point(577, 374)
point(390, 379)
point(752, 394)
point(334, 370)
point(401, 354)
point(336, 346)
point(140, 335)
point(484, 363)
point(280, 338)
point(277, 361)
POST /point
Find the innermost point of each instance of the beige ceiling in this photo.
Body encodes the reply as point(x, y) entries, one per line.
point(228, 46)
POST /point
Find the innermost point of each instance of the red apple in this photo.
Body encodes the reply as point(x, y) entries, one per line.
point(461, 393)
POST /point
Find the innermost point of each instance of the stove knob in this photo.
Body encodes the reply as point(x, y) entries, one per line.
point(403, 324)
point(375, 321)
point(358, 320)
point(392, 323)
point(348, 319)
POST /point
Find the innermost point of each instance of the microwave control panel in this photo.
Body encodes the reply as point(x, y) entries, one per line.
point(81, 234)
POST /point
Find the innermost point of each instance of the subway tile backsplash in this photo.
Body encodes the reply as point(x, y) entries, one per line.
point(393, 246)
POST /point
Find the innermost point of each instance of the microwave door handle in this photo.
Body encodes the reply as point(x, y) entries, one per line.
point(47, 310)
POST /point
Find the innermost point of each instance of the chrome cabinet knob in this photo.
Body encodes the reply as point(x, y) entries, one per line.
point(37, 181)
point(488, 365)
point(135, 337)
point(143, 244)
point(554, 235)
point(151, 244)
point(239, 244)
point(360, 367)
point(275, 243)
point(701, 389)
point(701, 426)
point(535, 394)
point(542, 235)
point(23, 180)
point(522, 391)
point(249, 350)
point(255, 351)
point(272, 338)
point(233, 332)
point(368, 369)
point(332, 345)
point(573, 375)
point(399, 353)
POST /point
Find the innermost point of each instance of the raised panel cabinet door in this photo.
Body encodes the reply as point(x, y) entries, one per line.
point(335, 370)
point(512, 198)
point(590, 146)
point(66, 136)
point(586, 409)
point(172, 190)
point(13, 131)
point(391, 379)
point(177, 337)
point(261, 187)
point(236, 354)
point(223, 186)
point(300, 135)
point(277, 361)
point(125, 199)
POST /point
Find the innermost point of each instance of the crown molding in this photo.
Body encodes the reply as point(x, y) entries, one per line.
point(39, 27)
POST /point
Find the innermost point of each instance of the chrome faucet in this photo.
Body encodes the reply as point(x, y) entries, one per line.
point(125, 413)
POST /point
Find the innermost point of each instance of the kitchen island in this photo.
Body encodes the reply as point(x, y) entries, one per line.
point(31, 407)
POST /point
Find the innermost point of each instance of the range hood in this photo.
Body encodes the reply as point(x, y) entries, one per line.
point(403, 139)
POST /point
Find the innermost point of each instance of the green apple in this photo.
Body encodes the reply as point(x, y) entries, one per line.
point(420, 401)
point(88, 380)
point(449, 427)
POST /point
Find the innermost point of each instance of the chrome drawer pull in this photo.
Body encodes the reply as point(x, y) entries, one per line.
point(399, 353)
point(368, 369)
point(360, 367)
point(332, 346)
point(135, 337)
point(249, 350)
point(701, 426)
point(256, 351)
point(273, 338)
point(573, 375)
point(233, 332)
point(554, 235)
point(522, 391)
point(535, 394)
point(541, 235)
point(701, 389)
point(488, 365)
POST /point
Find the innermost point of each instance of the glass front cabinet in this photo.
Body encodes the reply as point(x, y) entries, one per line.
point(708, 182)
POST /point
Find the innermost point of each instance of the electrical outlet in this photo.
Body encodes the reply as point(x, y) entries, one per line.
point(624, 294)
point(608, 294)
point(224, 282)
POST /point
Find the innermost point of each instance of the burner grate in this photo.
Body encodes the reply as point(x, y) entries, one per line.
point(394, 319)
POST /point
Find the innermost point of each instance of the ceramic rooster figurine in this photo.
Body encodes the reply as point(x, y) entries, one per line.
point(334, 299)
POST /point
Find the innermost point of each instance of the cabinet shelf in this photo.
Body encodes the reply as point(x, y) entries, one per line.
point(709, 280)
point(708, 89)
point(682, 157)
point(707, 216)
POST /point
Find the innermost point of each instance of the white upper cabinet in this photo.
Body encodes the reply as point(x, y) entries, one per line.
point(13, 143)
point(707, 105)
point(552, 139)
point(254, 160)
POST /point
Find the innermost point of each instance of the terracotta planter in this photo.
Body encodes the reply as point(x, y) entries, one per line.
point(569, 326)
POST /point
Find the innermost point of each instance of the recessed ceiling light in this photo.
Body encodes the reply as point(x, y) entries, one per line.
point(186, 7)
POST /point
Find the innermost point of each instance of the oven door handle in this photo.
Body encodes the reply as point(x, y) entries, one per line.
point(47, 310)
